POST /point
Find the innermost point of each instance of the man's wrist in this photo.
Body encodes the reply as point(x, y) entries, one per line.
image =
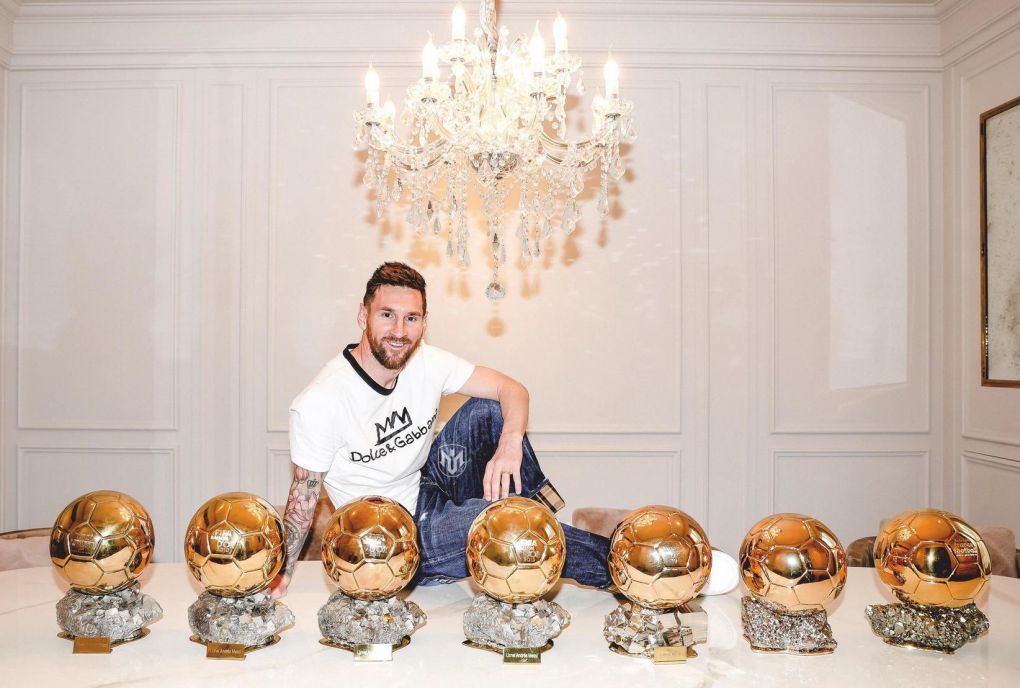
point(511, 437)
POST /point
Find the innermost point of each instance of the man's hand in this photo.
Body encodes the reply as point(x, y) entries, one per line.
point(504, 465)
point(278, 588)
point(297, 521)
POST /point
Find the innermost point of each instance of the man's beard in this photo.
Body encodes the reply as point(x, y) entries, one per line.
point(390, 359)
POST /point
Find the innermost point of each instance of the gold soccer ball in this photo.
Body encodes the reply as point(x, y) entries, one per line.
point(516, 550)
point(370, 548)
point(101, 542)
point(793, 561)
point(234, 544)
point(932, 557)
point(659, 557)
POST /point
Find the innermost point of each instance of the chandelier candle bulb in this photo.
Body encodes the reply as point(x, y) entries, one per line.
point(372, 87)
point(430, 61)
point(560, 34)
point(537, 51)
point(458, 20)
point(612, 74)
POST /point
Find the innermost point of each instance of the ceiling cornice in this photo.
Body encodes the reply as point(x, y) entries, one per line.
point(651, 10)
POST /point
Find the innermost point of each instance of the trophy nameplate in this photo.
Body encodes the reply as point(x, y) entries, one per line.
point(235, 651)
point(224, 651)
point(672, 654)
point(373, 652)
point(98, 645)
point(522, 655)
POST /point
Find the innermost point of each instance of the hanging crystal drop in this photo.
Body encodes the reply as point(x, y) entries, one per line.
point(618, 169)
point(495, 291)
point(569, 221)
point(536, 249)
point(437, 225)
point(449, 248)
point(546, 228)
point(603, 204)
point(398, 190)
point(497, 246)
point(580, 83)
point(429, 211)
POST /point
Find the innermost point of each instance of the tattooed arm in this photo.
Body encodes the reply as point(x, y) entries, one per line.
point(297, 521)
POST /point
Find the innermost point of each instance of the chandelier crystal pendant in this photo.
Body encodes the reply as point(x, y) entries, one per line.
point(496, 122)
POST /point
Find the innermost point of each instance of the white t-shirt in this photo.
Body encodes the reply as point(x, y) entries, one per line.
point(367, 439)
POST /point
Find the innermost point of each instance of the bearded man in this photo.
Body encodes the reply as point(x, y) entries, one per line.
point(365, 426)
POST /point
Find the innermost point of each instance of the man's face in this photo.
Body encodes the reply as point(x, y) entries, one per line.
point(394, 324)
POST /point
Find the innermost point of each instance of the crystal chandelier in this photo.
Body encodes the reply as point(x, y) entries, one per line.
point(496, 122)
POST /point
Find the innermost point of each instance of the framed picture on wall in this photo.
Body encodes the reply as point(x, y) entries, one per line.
point(1000, 245)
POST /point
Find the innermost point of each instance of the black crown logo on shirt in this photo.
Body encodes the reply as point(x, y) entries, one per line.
point(394, 425)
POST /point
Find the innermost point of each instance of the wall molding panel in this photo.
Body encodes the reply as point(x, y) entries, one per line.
point(988, 487)
point(916, 298)
point(39, 498)
point(167, 195)
point(872, 485)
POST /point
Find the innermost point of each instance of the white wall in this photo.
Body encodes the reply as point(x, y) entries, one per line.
point(983, 435)
point(758, 328)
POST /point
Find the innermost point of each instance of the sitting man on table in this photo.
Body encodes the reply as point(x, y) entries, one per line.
point(364, 426)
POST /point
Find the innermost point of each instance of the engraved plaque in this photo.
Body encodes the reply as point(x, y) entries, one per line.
point(224, 651)
point(99, 645)
point(522, 655)
point(671, 654)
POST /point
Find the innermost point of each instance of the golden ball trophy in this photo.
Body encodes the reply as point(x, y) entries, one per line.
point(936, 564)
point(659, 559)
point(100, 543)
point(515, 552)
point(370, 550)
point(234, 547)
point(793, 566)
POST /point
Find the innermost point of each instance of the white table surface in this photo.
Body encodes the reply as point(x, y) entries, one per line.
point(31, 654)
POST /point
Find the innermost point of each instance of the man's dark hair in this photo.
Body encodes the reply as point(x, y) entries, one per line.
point(395, 275)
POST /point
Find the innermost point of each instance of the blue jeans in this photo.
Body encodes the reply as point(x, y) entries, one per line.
point(450, 496)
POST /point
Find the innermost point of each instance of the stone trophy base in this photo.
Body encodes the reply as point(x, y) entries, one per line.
point(942, 629)
point(252, 622)
point(120, 616)
point(346, 622)
point(771, 629)
point(636, 631)
point(493, 625)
